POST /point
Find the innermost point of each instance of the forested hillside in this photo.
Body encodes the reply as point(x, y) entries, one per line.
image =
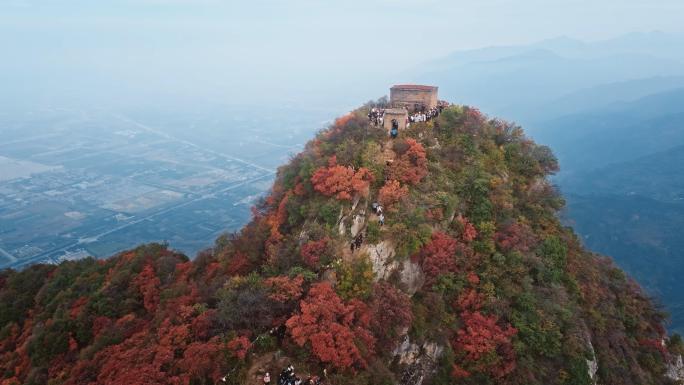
point(465, 277)
point(622, 174)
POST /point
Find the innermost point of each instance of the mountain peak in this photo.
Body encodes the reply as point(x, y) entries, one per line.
point(430, 253)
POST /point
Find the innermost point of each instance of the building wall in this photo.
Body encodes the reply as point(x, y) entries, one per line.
point(401, 118)
point(410, 97)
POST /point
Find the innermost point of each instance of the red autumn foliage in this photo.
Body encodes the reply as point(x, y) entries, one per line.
point(312, 251)
point(473, 120)
point(73, 345)
point(239, 346)
point(411, 166)
point(391, 193)
point(239, 264)
point(515, 237)
point(202, 324)
point(77, 306)
point(341, 182)
point(459, 372)
point(469, 300)
point(148, 284)
point(171, 334)
point(202, 359)
point(299, 189)
point(438, 257)
point(134, 361)
point(339, 126)
point(482, 337)
point(100, 323)
point(284, 289)
point(342, 121)
point(391, 314)
point(468, 231)
point(473, 278)
point(654, 344)
point(435, 214)
point(332, 328)
point(278, 218)
point(183, 270)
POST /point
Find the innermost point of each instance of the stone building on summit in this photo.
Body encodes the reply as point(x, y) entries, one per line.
point(413, 96)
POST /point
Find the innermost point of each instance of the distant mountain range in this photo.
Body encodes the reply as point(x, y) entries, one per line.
point(616, 133)
point(613, 113)
point(531, 77)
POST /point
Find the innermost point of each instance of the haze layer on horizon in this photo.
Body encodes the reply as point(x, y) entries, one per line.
point(140, 51)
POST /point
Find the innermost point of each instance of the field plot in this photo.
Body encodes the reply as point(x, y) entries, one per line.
point(74, 183)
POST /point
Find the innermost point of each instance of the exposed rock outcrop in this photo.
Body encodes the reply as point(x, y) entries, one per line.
point(382, 257)
point(358, 222)
point(675, 370)
point(592, 365)
point(420, 361)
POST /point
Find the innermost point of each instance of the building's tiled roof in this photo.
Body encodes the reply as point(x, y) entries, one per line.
point(414, 87)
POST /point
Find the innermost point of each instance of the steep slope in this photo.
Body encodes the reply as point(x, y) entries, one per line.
point(623, 173)
point(635, 211)
point(470, 280)
point(645, 236)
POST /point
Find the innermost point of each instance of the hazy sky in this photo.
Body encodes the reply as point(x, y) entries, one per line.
point(288, 50)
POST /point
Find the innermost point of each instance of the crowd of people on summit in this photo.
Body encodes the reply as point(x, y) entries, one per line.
point(425, 115)
point(376, 116)
point(420, 113)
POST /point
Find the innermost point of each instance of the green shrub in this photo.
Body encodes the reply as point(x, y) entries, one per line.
point(373, 232)
point(355, 279)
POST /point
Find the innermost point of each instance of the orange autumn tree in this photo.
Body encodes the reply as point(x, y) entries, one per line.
point(239, 347)
point(148, 284)
point(391, 193)
point(336, 332)
point(341, 182)
point(483, 343)
point(411, 164)
point(278, 216)
point(313, 251)
point(486, 346)
point(438, 257)
point(203, 360)
point(238, 264)
point(468, 231)
point(283, 288)
point(516, 236)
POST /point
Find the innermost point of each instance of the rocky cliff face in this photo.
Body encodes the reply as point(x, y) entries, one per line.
point(675, 370)
point(465, 276)
point(419, 361)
